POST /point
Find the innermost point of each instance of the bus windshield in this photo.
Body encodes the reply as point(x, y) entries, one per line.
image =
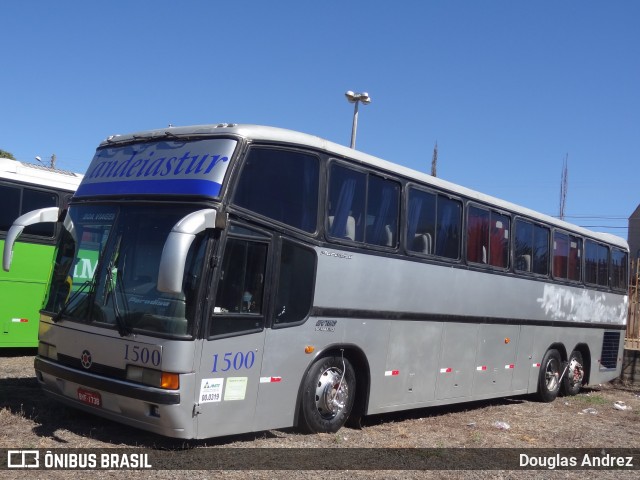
point(106, 270)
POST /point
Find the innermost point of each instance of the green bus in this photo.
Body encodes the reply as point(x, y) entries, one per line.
point(25, 187)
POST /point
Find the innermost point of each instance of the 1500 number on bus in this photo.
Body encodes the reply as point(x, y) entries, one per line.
point(233, 361)
point(143, 355)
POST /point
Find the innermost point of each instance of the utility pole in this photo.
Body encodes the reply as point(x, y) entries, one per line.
point(434, 160)
point(564, 183)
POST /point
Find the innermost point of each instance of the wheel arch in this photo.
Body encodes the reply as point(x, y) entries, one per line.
point(562, 350)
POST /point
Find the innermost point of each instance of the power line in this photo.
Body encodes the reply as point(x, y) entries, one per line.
point(598, 217)
point(601, 226)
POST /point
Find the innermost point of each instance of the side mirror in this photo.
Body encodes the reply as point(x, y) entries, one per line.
point(43, 215)
point(176, 248)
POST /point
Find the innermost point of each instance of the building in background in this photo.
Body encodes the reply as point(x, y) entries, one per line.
point(634, 235)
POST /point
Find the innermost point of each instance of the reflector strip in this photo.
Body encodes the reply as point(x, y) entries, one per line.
point(481, 368)
point(270, 379)
point(536, 365)
point(20, 320)
point(392, 373)
point(446, 370)
point(511, 365)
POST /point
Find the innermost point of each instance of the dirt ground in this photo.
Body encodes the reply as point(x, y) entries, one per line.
point(587, 420)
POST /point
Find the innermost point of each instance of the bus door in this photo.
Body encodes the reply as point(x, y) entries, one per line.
point(229, 374)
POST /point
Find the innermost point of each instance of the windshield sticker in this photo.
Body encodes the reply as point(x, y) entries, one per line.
point(236, 388)
point(159, 302)
point(211, 390)
point(166, 167)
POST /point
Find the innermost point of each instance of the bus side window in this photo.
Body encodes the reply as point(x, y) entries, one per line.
point(541, 250)
point(295, 284)
point(383, 200)
point(13, 207)
point(596, 257)
point(488, 237)
point(619, 272)
point(292, 198)
point(449, 228)
point(33, 200)
point(10, 210)
point(523, 246)
point(567, 256)
point(531, 248)
point(421, 221)
point(239, 297)
point(478, 235)
point(347, 194)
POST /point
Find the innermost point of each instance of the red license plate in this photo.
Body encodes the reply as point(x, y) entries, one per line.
point(90, 398)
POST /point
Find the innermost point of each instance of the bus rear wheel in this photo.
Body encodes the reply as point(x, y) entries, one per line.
point(574, 377)
point(328, 395)
point(549, 378)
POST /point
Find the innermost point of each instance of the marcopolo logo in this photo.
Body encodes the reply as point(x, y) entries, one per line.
point(85, 359)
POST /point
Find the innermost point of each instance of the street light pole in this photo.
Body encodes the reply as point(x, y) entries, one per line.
point(356, 98)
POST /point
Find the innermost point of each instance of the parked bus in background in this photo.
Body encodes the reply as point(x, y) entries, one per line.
point(251, 278)
point(25, 187)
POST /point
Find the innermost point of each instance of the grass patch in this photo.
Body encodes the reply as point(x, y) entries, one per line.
point(591, 399)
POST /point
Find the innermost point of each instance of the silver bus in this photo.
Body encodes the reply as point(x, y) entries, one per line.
point(251, 278)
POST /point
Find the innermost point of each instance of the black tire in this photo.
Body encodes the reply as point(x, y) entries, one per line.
point(328, 395)
point(574, 376)
point(549, 377)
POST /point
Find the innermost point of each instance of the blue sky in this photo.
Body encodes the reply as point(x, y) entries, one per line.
point(506, 88)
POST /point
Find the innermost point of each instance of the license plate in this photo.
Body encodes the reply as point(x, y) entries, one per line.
point(90, 398)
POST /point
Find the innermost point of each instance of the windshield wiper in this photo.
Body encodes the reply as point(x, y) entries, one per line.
point(123, 328)
point(56, 318)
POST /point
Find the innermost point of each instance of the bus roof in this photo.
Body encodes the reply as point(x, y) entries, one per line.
point(281, 135)
point(35, 174)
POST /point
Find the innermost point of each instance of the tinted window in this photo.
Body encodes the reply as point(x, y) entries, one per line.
point(347, 195)
point(619, 265)
point(281, 185)
point(488, 237)
point(567, 256)
point(448, 230)
point(433, 224)
point(34, 200)
point(17, 201)
point(295, 283)
point(596, 263)
point(240, 294)
point(10, 197)
point(531, 248)
point(363, 207)
point(382, 212)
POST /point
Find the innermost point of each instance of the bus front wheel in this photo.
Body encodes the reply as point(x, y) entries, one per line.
point(328, 395)
point(549, 378)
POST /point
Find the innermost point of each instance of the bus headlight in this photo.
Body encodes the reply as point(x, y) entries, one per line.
point(153, 378)
point(48, 351)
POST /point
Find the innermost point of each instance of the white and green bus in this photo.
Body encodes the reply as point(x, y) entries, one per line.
point(251, 278)
point(25, 187)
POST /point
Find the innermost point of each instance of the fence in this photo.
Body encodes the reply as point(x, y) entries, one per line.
point(632, 340)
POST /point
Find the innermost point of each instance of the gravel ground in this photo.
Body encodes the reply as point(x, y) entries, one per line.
point(587, 420)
